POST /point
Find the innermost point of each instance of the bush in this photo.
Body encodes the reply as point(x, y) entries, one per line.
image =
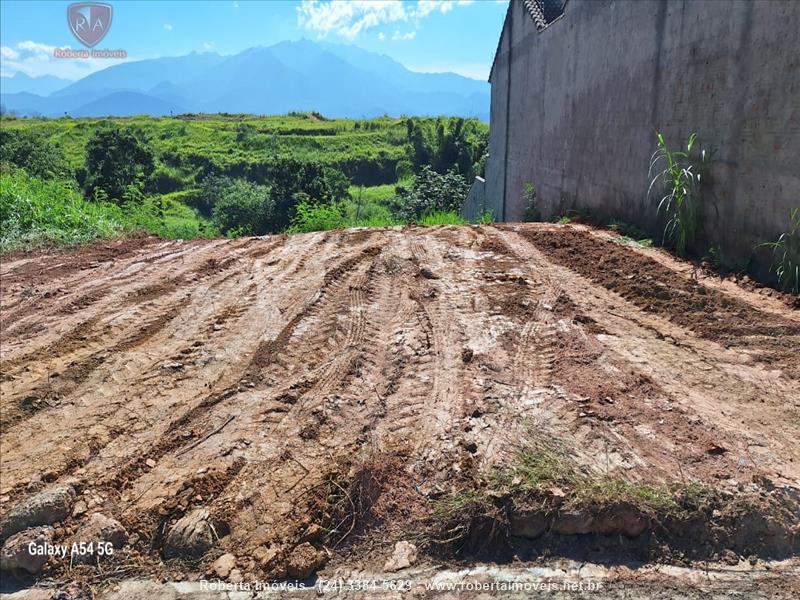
point(431, 193)
point(116, 158)
point(291, 181)
point(34, 153)
point(241, 207)
point(166, 180)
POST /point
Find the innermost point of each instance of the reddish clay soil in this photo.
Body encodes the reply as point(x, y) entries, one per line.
point(344, 380)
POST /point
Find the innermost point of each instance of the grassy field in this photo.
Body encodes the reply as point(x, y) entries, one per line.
point(46, 181)
point(367, 151)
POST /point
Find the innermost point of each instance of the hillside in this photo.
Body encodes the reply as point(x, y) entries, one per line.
point(289, 76)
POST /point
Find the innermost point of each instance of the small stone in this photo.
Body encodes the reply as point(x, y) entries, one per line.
point(427, 273)
point(304, 561)
point(265, 557)
point(236, 576)
point(15, 555)
point(404, 555)
point(314, 533)
point(223, 565)
point(150, 463)
point(191, 536)
point(79, 509)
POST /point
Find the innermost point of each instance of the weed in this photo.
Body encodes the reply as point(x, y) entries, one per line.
point(681, 203)
point(530, 202)
point(786, 250)
point(442, 218)
point(486, 217)
point(571, 216)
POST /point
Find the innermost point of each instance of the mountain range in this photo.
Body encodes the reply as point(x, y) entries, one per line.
point(335, 80)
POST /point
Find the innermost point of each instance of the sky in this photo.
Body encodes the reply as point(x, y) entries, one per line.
point(459, 36)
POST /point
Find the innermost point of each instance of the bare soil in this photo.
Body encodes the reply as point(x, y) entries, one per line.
point(330, 388)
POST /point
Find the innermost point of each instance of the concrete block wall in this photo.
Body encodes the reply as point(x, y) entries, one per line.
point(575, 108)
point(475, 204)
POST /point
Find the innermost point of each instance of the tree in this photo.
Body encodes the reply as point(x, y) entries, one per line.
point(117, 158)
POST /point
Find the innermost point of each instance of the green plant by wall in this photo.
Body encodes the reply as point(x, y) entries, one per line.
point(530, 202)
point(680, 177)
point(786, 250)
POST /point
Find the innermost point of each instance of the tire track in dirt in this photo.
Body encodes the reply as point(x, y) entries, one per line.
point(632, 394)
point(264, 355)
point(161, 374)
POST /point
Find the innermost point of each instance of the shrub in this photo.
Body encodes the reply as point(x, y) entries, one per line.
point(241, 207)
point(431, 192)
point(115, 159)
point(39, 157)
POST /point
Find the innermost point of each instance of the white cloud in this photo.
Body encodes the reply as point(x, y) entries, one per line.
point(404, 36)
point(168, 26)
point(235, 5)
point(381, 36)
point(9, 53)
point(348, 18)
point(36, 59)
point(209, 45)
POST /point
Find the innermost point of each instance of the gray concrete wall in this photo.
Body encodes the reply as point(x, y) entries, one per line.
point(475, 204)
point(575, 108)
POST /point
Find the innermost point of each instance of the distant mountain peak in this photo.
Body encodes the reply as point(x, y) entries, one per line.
point(337, 80)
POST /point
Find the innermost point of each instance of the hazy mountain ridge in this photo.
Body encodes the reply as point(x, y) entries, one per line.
point(336, 80)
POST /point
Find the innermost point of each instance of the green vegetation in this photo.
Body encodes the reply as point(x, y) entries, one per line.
point(542, 477)
point(786, 250)
point(530, 202)
point(36, 212)
point(681, 203)
point(431, 192)
point(239, 175)
point(630, 234)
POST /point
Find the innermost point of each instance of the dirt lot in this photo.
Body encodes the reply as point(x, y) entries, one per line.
point(324, 396)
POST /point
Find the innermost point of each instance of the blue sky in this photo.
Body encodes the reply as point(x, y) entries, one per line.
point(425, 35)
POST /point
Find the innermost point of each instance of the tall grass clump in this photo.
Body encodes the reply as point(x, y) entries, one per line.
point(36, 213)
point(450, 217)
point(679, 173)
point(786, 250)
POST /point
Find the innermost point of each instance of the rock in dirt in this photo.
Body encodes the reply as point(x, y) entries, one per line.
point(99, 528)
point(16, 556)
point(304, 561)
point(223, 565)
point(266, 557)
point(45, 508)
point(573, 522)
point(529, 524)
point(404, 555)
point(427, 273)
point(314, 533)
point(191, 536)
point(620, 517)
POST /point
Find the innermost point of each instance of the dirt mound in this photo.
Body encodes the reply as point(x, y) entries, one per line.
point(297, 403)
